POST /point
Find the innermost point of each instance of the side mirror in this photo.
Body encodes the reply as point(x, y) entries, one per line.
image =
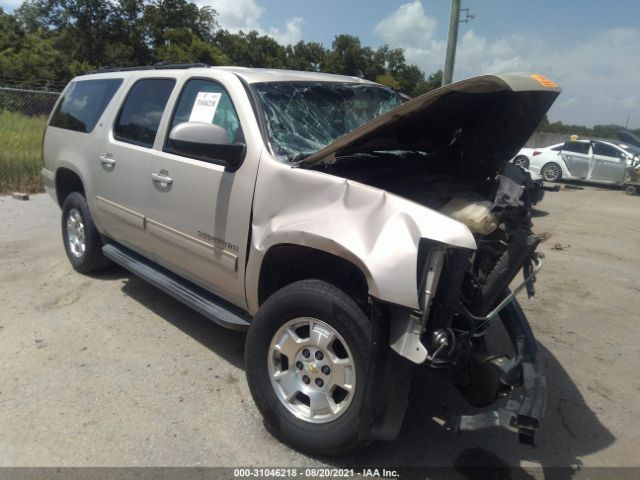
point(205, 142)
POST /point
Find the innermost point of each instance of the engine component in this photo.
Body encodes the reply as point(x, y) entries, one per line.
point(518, 251)
point(480, 379)
point(473, 213)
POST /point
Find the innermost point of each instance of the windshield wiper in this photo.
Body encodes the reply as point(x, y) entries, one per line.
point(298, 157)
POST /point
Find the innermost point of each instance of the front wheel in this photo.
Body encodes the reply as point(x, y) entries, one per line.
point(551, 172)
point(306, 356)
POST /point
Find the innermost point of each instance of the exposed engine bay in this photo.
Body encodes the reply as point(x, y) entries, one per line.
point(449, 151)
point(462, 291)
point(494, 203)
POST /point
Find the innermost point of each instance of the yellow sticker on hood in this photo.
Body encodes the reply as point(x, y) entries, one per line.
point(544, 81)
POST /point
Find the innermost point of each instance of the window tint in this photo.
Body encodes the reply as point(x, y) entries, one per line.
point(606, 150)
point(142, 111)
point(577, 147)
point(83, 104)
point(216, 108)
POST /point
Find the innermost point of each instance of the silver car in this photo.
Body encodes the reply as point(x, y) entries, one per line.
point(592, 160)
point(353, 235)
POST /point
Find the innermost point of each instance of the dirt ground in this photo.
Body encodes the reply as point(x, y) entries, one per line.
point(109, 371)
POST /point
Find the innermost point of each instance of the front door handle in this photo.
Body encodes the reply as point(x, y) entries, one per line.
point(161, 178)
point(107, 160)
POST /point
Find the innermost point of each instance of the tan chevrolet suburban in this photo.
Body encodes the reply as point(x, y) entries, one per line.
point(353, 234)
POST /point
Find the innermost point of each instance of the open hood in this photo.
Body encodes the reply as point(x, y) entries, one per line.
point(493, 114)
point(629, 138)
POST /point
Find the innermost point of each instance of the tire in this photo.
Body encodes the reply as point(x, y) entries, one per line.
point(294, 422)
point(81, 239)
point(521, 161)
point(551, 172)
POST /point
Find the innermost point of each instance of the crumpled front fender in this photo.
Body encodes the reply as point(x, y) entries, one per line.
point(377, 231)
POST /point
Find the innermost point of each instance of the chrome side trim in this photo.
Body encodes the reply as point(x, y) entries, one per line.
point(122, 213)
point(194, 245)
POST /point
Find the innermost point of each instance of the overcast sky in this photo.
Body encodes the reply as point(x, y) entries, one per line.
point(590, 47)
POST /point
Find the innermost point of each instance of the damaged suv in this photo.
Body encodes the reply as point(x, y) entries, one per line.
point(353, 235)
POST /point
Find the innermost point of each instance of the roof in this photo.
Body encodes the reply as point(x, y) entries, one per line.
point(250, 75)
point(257, 75)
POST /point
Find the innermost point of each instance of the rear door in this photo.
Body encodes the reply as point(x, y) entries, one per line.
point(609, 163)
point(577, 158)
point(199, 213)
point(122, 165)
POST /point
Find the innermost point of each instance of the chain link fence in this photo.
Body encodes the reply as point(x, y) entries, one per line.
point(24, 109)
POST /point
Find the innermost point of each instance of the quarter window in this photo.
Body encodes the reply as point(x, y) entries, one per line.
point(142, 111)
point(83, 103)
point(208, 101)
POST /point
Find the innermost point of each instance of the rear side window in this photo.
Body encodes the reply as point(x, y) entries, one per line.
point(83, 104)
point(142, 111)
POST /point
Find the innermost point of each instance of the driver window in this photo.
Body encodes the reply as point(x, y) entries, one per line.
point(207, 101)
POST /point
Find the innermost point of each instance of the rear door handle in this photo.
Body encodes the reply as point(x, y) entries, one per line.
point(162, 178)
point(107, 160)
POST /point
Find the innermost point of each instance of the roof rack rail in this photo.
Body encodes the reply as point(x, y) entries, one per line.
point(155, 66)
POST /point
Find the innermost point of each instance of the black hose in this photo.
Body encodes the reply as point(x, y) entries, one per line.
point(518, 250)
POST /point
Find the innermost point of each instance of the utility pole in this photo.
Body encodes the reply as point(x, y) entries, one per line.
point(452, 41)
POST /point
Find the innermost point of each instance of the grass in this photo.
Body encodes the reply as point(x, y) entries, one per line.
point(20, 158)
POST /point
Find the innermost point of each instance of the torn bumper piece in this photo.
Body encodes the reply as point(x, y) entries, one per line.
point(525, 408)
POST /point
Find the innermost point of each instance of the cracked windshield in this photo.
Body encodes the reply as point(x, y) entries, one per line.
point(303, 117)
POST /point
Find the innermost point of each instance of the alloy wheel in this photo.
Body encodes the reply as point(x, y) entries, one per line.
point(312, 370)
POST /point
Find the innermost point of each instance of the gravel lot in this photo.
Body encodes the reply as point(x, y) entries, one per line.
point(108, 371)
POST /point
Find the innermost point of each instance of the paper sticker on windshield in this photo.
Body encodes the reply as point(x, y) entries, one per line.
point(205, 106)
point(544, 81)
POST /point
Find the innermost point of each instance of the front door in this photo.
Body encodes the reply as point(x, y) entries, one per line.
point(123, 164)
point(609, 163)
point(199, 213)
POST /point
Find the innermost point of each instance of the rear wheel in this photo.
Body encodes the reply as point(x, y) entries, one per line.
point(521, 161)
point(551, 172)
point(631, 190)
point(81, 238)
point(307, 356)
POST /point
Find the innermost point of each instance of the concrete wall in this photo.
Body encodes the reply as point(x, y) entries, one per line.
point(542, 139)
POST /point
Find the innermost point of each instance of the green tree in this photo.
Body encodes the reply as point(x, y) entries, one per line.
point(251, 49)
point(183, 46)
point(346, 56)
point(128, 45)
point(163, 16)
point(309, 57)
point(432, 82)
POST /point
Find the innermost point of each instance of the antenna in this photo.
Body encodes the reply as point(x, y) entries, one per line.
point(467, 16)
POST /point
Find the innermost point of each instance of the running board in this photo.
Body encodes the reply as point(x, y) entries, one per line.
point(200, 300)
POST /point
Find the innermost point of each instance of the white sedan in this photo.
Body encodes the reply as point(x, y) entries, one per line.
point(602, 161)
